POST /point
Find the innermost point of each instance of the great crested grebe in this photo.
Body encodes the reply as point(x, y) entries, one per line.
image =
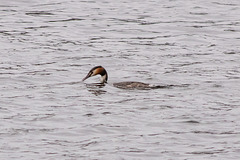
point(123, 85)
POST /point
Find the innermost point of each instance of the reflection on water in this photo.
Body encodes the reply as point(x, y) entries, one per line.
point(95, 88)
point(188, 51)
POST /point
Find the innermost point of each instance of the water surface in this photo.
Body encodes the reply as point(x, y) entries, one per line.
point(47, 47)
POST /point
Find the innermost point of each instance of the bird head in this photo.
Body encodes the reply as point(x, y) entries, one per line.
point(95, 71)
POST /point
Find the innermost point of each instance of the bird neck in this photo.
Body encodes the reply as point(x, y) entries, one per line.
point(104, 78)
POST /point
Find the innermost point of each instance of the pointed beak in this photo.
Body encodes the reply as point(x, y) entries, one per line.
point(88, 75)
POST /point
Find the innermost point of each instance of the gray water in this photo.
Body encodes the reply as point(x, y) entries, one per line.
point(47, 47)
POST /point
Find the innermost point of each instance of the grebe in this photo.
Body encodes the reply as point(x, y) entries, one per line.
point(123, 85)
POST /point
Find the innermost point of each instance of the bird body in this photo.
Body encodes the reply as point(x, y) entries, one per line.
point(131, 85)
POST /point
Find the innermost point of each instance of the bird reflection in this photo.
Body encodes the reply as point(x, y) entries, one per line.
point(95, 88)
